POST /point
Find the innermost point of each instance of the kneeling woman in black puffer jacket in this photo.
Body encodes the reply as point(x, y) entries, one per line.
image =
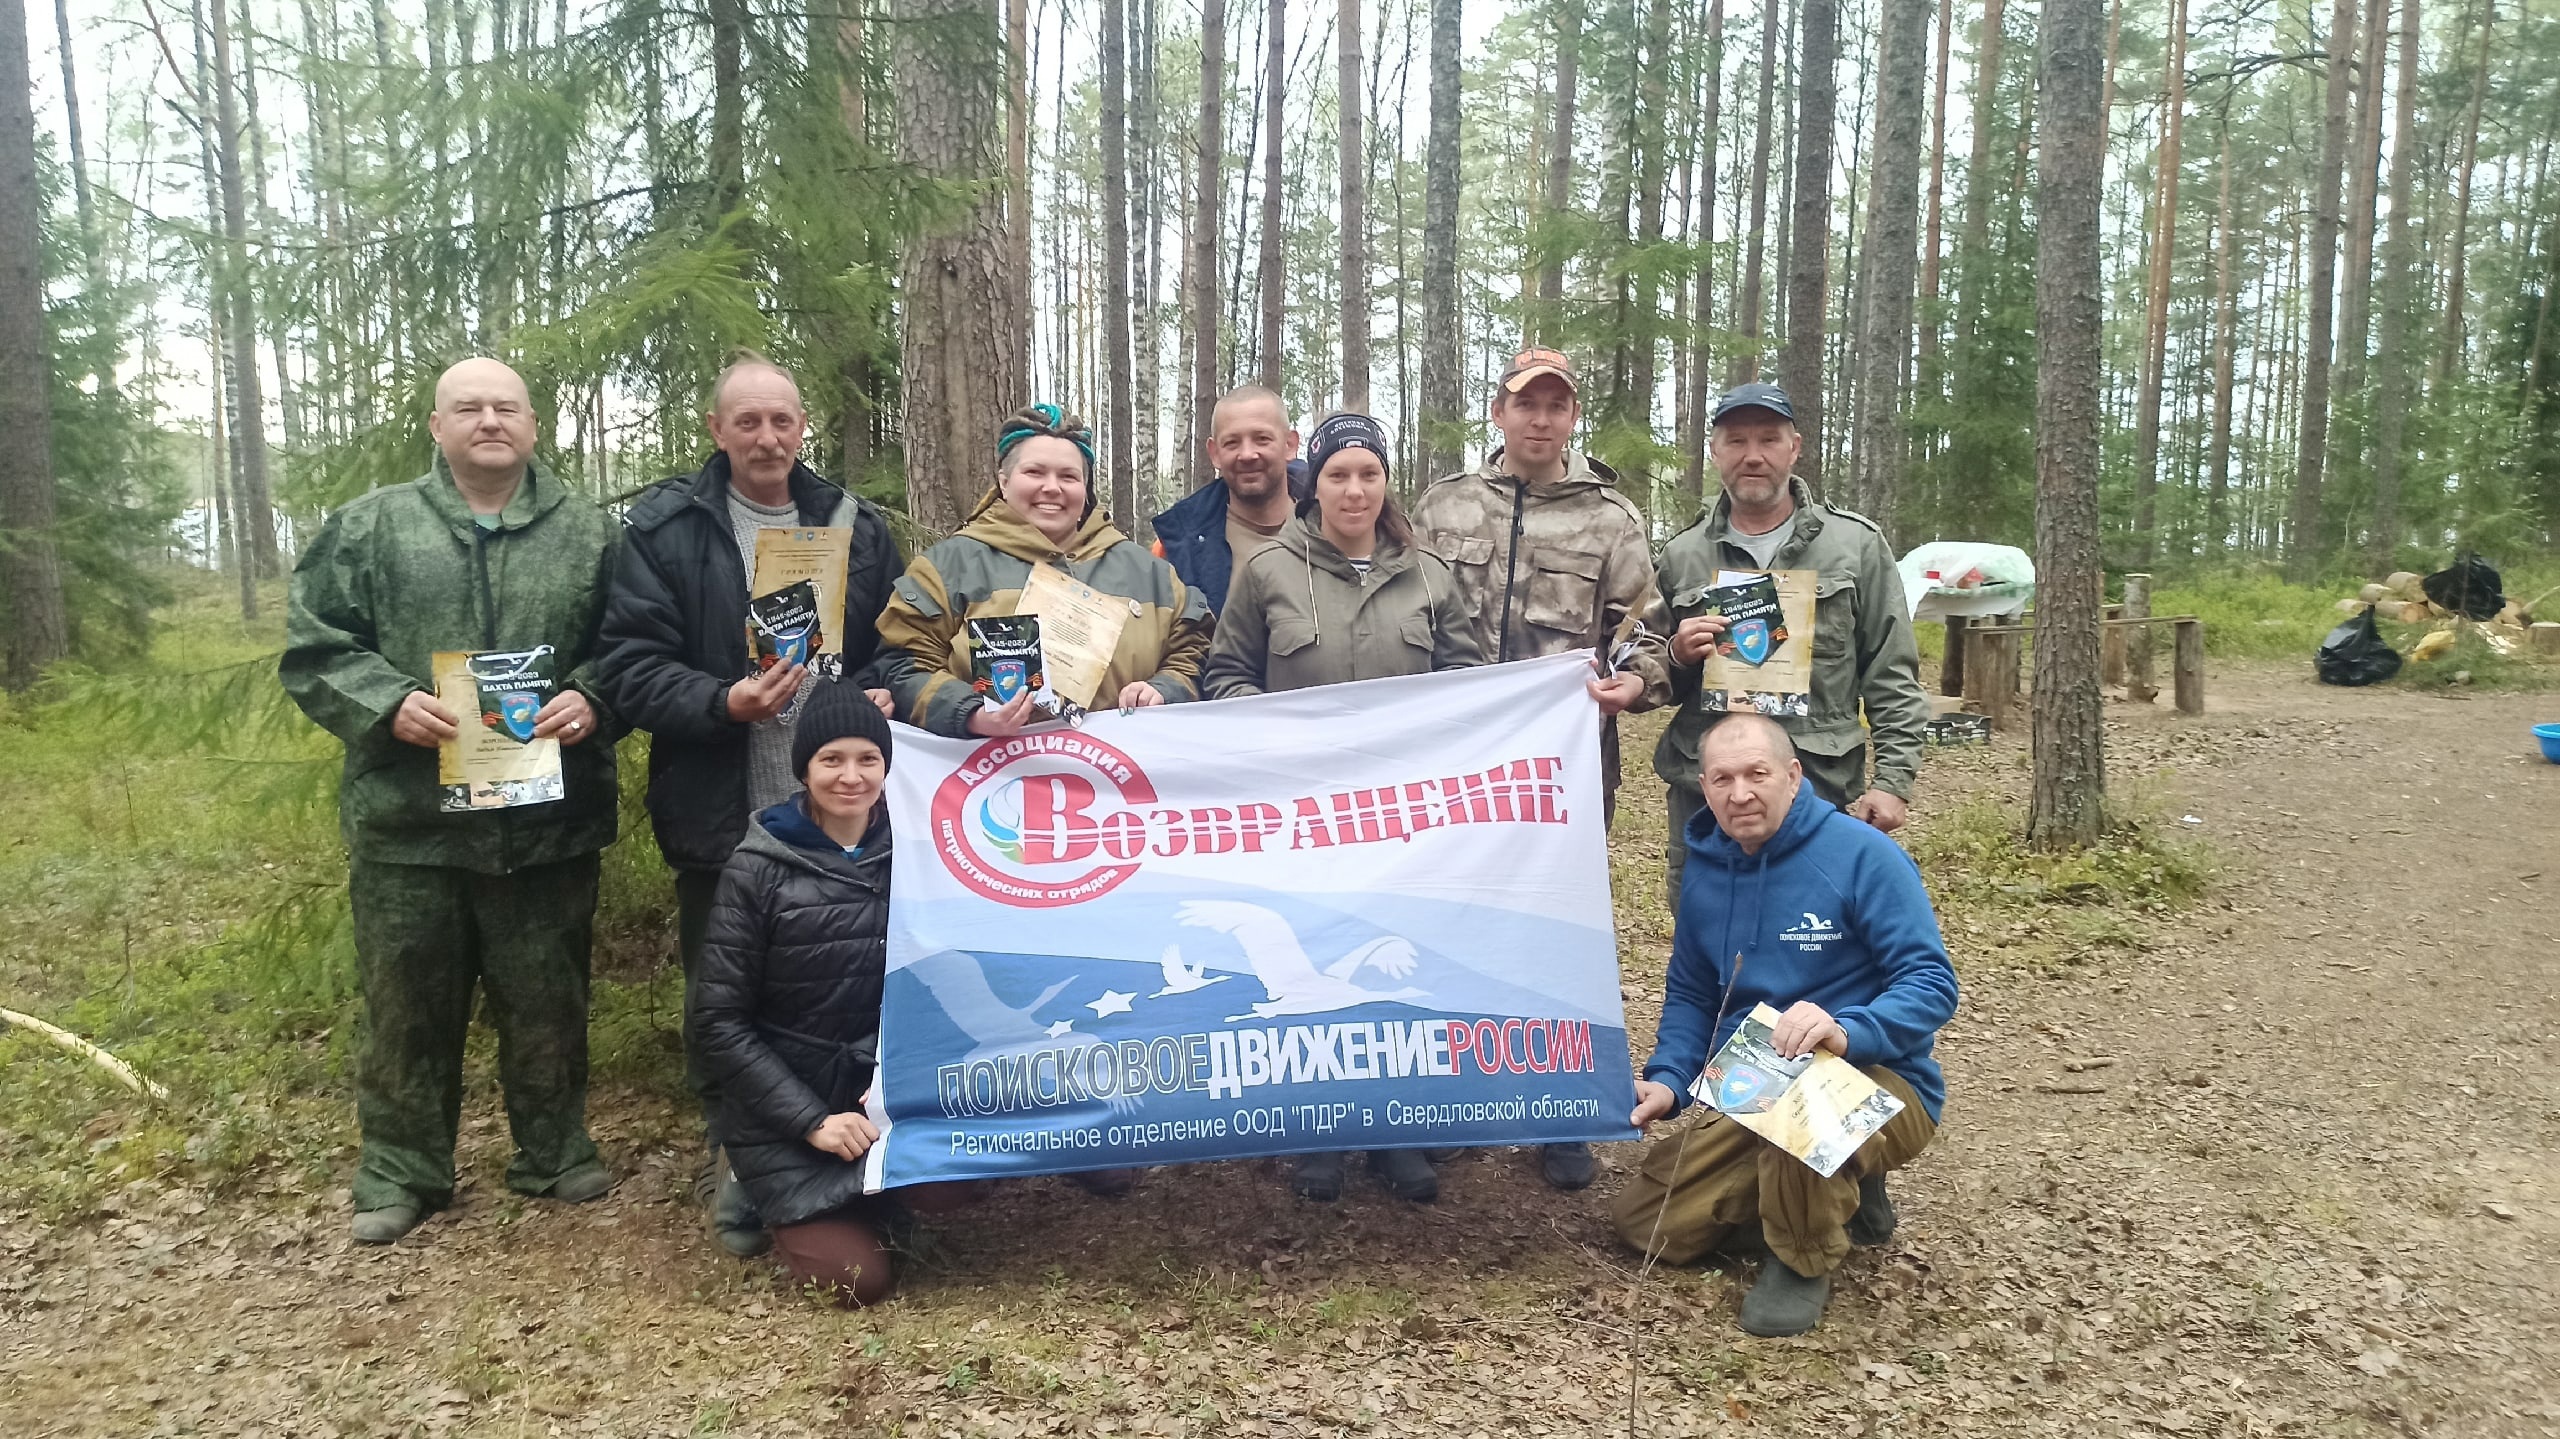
point(787, 1002)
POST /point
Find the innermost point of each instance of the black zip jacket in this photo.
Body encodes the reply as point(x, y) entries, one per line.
point(787, 1004)
point(675, 638)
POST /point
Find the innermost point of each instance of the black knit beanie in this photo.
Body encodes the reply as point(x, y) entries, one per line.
point(834, 710)
point(1346, 430)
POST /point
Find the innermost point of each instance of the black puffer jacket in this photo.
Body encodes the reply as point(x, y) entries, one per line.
point(674, 638)
point(787, 1004)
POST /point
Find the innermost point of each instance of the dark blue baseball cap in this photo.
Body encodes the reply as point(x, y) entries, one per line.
point(1757, 395)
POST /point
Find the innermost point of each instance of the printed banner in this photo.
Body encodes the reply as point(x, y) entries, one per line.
point(1367, 916)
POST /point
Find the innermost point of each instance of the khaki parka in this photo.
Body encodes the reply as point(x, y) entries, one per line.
point(1300, 614)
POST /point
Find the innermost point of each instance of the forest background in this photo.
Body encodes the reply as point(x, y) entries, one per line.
point(2327, 254)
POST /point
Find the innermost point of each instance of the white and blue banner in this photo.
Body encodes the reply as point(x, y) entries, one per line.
point(1367, 916)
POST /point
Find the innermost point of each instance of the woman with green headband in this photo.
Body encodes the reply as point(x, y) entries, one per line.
point(1041, 511)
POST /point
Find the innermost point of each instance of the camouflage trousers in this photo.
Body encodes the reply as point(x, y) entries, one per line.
point(427, 936)
point(1697, 1186)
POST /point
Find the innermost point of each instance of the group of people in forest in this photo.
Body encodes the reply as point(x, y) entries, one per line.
point(765, 784)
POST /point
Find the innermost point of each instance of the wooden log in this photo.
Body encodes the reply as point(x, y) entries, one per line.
point(2402, 580)
point(1991, 675)
point(2352, 608)
point(2411, 587)
point(2111, 655)
point(2545, 638)
point(2374, 594)
point(2137, 643)
point(2189, 667)
point(2395, 611)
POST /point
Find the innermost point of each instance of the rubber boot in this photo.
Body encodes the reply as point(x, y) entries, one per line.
point(1406, 1173)
point(734, 1219)
point(387, 1224)
point(1567, 1166)
point(1318, 1177)
point(1784, 1302)
point(1873, 1223)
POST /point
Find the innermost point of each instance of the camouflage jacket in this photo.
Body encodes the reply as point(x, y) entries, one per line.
point(924, 646)
point(1582, 568)
point(1864, 656)
point(402, 572)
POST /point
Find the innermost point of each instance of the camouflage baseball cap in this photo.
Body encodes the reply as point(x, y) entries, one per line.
point(1529, 364)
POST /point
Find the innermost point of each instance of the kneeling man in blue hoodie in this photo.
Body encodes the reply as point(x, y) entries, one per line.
point(1786, 902)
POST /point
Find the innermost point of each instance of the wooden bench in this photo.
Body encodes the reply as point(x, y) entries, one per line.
point(1985, 663)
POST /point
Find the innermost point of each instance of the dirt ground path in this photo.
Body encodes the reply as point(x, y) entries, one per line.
point(2316, 1192)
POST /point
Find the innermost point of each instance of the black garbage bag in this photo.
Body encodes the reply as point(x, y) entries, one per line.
point(2356, 654)
point(2469, 588)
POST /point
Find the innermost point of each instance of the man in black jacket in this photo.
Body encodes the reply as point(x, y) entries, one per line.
point(677, 663)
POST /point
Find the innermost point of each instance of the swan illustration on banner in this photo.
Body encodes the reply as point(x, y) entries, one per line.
point(1292, 980)
point(1180, 978)
point(960, 987)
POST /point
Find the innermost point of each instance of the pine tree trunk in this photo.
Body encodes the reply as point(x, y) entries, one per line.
point(2397, 376)
point(1017, 165)
point(1696, 385)
point(2226, 248)
point(30, 570)
point(1204, 234)
point(1972, 261)
point(1746, 360)
point(1443, 437)
point(1809, 232)
point(2067, 803)
point(90, 238)
point(962, 347)
point(1932, 242)
point(2449, 349)
point(1115, 262)
point(1355, 207)
point(1653, 137)
point(1149, 338)
point(249, 420)
point(2357, 226)
point(1549, 315)
point(1275, 82)
point(1892, 245)
point(2303, 544)
point(2164, 243)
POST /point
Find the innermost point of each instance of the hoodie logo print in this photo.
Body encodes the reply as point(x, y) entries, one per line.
point(1812, 933)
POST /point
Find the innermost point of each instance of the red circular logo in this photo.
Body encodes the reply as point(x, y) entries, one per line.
point(1042, 820)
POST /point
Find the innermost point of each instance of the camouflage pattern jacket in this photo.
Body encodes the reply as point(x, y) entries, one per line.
point(1864, 655)
point(924, 643)
point(1547, 568)
point(402, 572)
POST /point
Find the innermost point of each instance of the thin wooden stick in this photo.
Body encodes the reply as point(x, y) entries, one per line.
point(123, 1072)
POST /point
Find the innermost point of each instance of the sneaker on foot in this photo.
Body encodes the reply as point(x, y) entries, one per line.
point(1568, 1165)
point(1873, 1223)
point(589, 1181)
point(1784, 1302)
point(1406, 1174)
point(1318, 1177)
point(1105, 1183)
point(384, 1225)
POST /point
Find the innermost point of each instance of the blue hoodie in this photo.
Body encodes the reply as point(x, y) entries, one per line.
point(1829, 910)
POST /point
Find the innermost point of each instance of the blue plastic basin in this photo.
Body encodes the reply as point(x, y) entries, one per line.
point(2549, 734)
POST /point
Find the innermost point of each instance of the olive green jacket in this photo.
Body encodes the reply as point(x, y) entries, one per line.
point(1863, 651)
point(980, 572)
point(402, 572)
point(1299, 615)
